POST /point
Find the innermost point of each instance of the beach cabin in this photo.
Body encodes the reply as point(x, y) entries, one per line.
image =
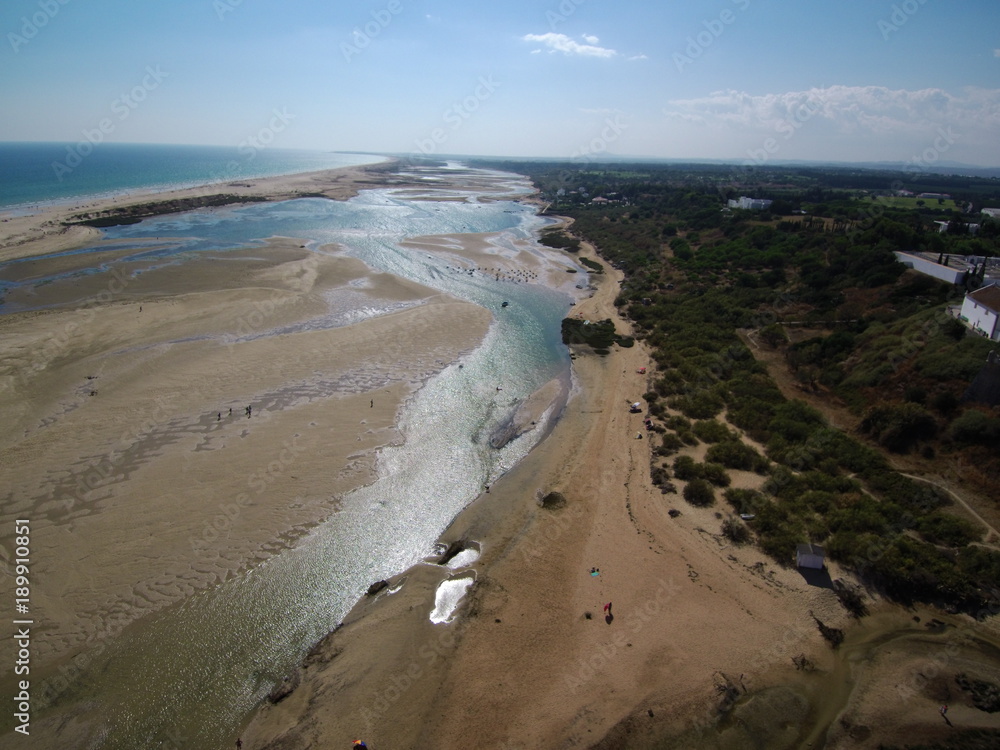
point(810, 556)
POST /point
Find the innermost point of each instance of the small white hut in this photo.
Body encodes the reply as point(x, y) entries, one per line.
point(810, 556)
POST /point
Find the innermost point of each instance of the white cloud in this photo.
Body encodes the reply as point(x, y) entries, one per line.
point(562, 43)
point(590, 39)
point(638, 57)
point(845, 122)
point(872, 109)
point(996, 53)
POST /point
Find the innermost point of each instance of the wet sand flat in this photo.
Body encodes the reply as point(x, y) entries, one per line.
point(128, 444)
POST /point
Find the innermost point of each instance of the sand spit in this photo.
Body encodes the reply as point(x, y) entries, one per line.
point(51, 229)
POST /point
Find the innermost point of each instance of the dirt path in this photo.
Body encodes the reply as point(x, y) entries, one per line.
point(991, 531)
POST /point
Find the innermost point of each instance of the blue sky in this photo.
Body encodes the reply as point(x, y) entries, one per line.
point(745, 80)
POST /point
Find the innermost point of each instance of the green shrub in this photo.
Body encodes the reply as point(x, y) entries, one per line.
point(701, 405)
point(686, 468)
point(670, 445)
point(745, 501)
point(699, 492)
point(948, 530)
point(898, 427)
point(712, 431)
point(735, 531)
point(974, 427)
point(734, 454)
point(716, 474)
point(678, 423)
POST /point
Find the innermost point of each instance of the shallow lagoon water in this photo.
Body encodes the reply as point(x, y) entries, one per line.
point(189, 674)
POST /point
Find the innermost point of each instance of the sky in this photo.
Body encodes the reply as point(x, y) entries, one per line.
point(914, 82)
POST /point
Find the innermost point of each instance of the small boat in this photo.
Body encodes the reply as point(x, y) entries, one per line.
point(505, 303)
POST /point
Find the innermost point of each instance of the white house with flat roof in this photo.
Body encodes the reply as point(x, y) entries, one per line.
point(981, 311)
point(750, 204)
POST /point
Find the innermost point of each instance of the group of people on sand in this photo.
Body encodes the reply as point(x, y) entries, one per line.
point(247, 410)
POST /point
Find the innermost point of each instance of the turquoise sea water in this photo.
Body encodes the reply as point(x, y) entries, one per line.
point(194, 670)
point(32, 173)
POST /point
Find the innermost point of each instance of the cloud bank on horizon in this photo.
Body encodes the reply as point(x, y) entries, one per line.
point(741, 80)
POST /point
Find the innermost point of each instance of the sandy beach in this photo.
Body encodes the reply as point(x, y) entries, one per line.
point(143, 488)
point(533, 661)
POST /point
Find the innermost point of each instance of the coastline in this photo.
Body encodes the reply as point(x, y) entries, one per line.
point(27, 235)
point(522, 665)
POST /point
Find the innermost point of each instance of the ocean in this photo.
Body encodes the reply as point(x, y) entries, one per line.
point(32, 173)
point(196, 669)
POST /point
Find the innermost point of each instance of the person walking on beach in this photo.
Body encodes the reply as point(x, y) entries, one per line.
point(239, 743)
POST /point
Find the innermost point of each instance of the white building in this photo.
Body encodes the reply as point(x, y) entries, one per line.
point(943, 227)
point(953, 275)
point(750, 204)
point(810, 556)
point(981, 310)
point(993, 213)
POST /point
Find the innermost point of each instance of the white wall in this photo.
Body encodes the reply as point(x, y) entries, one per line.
point(981, 318)
point(950, 274)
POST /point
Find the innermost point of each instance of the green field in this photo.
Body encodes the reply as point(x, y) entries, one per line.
point(917, 203)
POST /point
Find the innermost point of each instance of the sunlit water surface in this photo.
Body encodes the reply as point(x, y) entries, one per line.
point(188, 676)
